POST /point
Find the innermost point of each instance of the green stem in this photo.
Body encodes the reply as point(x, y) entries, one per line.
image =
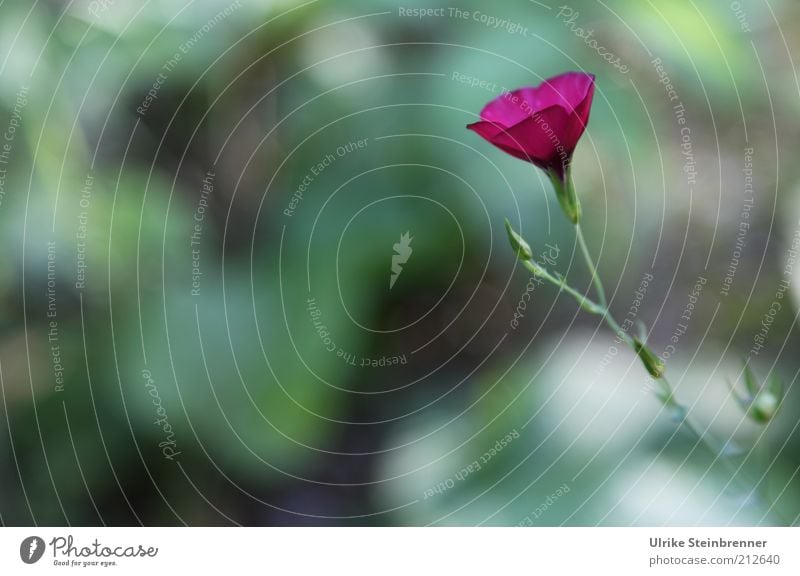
point(667, 394)
point(710, 444)
point(718, 451)
point(583, 301)
point(598, 284)
point(762, 451)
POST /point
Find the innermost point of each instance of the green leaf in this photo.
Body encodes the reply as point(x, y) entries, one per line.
point(750, 382)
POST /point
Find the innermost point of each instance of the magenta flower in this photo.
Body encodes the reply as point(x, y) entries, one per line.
point(542, 125)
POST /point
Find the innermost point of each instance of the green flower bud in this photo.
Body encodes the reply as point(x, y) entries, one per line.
point(655, 367)
point(761, 403)
point(521, 248)
point(764, 407)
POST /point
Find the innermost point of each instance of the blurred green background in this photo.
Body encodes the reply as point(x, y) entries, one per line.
point(161, 361)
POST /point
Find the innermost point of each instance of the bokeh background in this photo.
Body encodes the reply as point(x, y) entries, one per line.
point(198, 207)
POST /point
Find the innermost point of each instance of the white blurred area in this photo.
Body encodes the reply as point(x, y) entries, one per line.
point(351, 42)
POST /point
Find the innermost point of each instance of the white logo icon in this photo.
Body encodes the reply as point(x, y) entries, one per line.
point(403, 252)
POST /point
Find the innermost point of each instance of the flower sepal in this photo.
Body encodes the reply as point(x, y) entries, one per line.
point(565, 192)
point(761, 403)
point(654, 365)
